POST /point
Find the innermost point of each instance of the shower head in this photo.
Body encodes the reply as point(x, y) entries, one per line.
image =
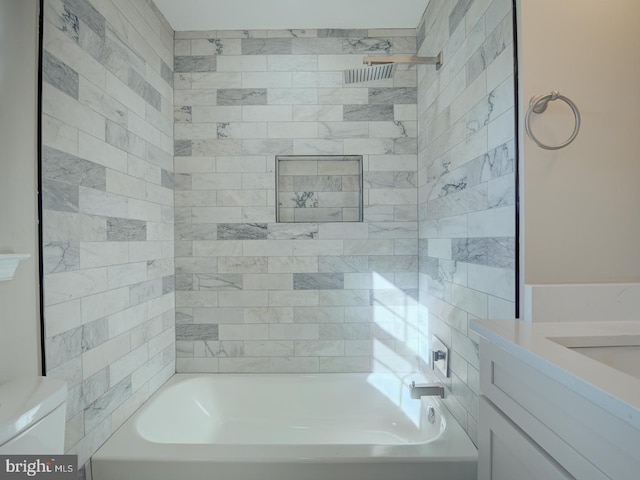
point(381, 68)
point(370, 73)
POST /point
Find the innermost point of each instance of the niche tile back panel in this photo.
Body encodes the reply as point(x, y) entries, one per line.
point(324, 188)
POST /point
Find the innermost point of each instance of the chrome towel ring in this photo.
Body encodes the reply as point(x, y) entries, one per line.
point(538, 104)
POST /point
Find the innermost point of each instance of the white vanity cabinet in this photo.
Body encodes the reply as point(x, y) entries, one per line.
point(507, 453)
point(537, 422)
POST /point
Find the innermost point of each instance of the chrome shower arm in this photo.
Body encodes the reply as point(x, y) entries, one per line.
point(437, 61)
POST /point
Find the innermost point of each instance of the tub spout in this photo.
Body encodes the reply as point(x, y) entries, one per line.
point(425, 390)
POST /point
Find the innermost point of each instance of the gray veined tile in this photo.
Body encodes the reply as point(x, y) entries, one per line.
point(491, 251)
point(202, 332)
point(367, 45)
point(184, 282)
point(168, 284)
point(167, 179)
point(393, 95)
point(342, 33)
point(70, 23)
point(144, 89)
point(498, 162)
point(126, 230)
point(302, 200)
point(95, 333)
point(88, 14)
point(224, 349)
point(100, 410)
point(368, 112)
point(217, 282)
point(390, 179)
point(117, 135)
point(60, 75)
point(61, 256)
point(458, 13)
point(266, 46)
point(190, 232)
point(60, 196)
point(183, 148)
point(166, 73)
point(242, 96)
point(183, 114)
point(64, 167)
point(198, 63)
point(284, 231)
point(242, 231)
point(318, 281)
point(421, 33)
point(405, 146)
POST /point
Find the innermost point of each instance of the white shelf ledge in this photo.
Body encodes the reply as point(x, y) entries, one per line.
point(9, 263)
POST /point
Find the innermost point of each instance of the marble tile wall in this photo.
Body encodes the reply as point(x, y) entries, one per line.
point(253, 295)
point(108, 210)
point(466, 184)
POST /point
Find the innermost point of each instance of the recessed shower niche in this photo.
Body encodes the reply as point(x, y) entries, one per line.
point(319, 188)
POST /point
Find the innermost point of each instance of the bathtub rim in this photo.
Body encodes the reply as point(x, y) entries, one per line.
point(126, 445)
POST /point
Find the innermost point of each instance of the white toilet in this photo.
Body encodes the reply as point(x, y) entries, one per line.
point(32, 416)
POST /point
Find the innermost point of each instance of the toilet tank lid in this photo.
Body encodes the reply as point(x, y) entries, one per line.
point(25, 401)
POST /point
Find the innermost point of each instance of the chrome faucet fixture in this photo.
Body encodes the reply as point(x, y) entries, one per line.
point(426, 390)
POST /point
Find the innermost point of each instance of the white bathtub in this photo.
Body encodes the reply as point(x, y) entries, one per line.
point(287, 427)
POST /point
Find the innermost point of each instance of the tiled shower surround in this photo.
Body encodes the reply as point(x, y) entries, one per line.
point(434, 250)
point(107, 172)
point(253, 295)
point(466, 192)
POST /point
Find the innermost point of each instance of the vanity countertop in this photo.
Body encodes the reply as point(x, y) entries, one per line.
point(549, 347)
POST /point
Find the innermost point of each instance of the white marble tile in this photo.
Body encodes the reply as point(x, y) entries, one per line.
point(288, 264)
point(63, 317)
point(343, 96)
point(103, 355)
point(292, 63)
point(242, 63)
point(197, 365)
point(268, 315)
point(292, 130)
point(316, 79)
point(294, 298)
point(493, 281)
point(292, 96)
point(266, 348)
point(244, 365)
point(196, 299)
point(322, 113)
point(100, 305)
point(66, 286)
point(244, 332)
point(260, 113)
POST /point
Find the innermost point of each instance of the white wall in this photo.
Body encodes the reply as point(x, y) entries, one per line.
point(19, 311)
point(581, 204)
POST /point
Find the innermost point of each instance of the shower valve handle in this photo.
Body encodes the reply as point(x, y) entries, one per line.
point(439, 355)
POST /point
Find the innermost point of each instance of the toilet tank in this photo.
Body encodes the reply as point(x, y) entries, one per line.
point(32, 416)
